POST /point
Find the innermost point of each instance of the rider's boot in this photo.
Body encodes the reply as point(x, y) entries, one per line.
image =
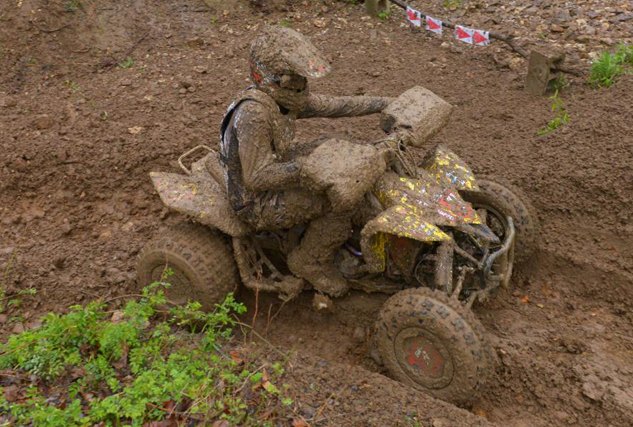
point(313, 258)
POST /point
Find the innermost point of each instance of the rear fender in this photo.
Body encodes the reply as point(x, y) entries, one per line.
point(449, 170)
point(201, 198)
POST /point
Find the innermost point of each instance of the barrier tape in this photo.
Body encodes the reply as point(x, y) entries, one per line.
point(434, 25)
point(469, 35)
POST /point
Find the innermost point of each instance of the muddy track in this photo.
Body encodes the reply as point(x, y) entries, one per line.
point(79, 135)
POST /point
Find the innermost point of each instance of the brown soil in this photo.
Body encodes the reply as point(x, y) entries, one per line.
point(79, 135)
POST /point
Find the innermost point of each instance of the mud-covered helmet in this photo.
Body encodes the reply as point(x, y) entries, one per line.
point(281, 60)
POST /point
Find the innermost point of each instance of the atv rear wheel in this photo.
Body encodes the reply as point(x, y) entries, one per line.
point(501, 201)
point(202, 263)
point(434, 344)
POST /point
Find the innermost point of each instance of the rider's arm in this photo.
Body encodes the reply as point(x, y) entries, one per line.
point(343, 106)
point(261, 170)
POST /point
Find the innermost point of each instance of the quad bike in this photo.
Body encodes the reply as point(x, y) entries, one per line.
point(429, 233)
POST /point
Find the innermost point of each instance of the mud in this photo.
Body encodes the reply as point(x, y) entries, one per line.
point(79, 135)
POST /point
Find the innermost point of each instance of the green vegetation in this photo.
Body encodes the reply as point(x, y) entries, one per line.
point(151, 361)
point(126, 63)
point(73, 86)
point(72, 5)
point(285, 22)
point(561, 117)
point(452, 4)
point(559, 83)
point(606, 70)
point(383, 15)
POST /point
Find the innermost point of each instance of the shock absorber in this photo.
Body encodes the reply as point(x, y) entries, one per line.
point(444, 267)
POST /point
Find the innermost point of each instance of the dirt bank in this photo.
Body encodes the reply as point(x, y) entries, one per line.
point(92, 99)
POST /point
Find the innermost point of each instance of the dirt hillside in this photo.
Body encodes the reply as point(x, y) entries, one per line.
point(93, 97)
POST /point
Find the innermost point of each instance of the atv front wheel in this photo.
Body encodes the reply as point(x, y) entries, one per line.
point(434, 344)
point(500, 201)
point(201, 261)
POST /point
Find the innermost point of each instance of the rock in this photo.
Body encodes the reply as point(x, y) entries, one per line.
point(3, 318)
point(589, 30)
point(322, 302)
point(18, 328)
point(195, 42)
point(35, 324)
point(516, 64)
point(66, 228)
point(200, 69)
point(562, 17)
point(622, 18)
point(135, 130)
point(126, 82)
point(359, 334)
point(592, 391)
point(441, 422)
point(59, 261)
point(555, 28)
point(583, 38)
point(115, 276)
point(117, 316)
point(6, 102)
point(11, 393)
point(128, 227)
point(43, 121)
point(320, 23)
point(35, 212)
point(307, 411)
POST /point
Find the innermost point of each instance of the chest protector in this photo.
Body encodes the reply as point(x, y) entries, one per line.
point(283, 133)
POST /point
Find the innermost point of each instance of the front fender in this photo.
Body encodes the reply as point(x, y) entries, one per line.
point(401, 221)
point(449, 170)
point(414, 209)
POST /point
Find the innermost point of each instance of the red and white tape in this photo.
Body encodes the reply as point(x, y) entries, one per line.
point(464, 34)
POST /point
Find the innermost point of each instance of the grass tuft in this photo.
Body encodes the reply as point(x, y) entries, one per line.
point(606, 69)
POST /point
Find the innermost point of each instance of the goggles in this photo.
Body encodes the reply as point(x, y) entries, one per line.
point(292, 81)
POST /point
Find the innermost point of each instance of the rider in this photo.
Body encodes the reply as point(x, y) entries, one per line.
point(260, 157)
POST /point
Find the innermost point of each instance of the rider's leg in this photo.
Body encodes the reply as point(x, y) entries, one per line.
point(313, 258)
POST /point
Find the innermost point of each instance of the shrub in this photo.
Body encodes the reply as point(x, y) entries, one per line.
point(148, 362)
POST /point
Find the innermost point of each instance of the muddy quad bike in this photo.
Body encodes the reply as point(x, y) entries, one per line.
point(430, 234)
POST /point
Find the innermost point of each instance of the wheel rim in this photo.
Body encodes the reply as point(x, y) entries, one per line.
point(424, 358)
point(180, 283)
